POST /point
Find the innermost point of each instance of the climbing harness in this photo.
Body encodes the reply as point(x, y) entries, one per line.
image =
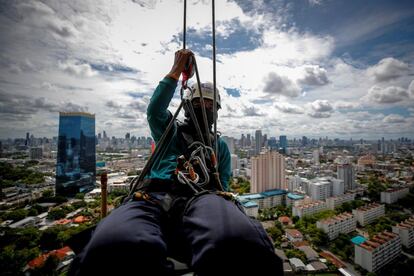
point(187, 166)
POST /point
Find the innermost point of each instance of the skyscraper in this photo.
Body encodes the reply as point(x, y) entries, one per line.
point(346, 173)
point(268, 172)
point(283, 143)
point(259, 141)
point(76, 161)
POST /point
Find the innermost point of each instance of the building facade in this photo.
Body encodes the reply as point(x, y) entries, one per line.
point(333, 226)
point(268, 172)
point(368, 213)
point(346, 172)
point(76, 161)
point(320, 189)
point(393, 194)
point(405, 230)
point(308, 209)
point(335, 201)
point(377, 252)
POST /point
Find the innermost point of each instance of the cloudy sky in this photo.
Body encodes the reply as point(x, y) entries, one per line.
point(334, 68)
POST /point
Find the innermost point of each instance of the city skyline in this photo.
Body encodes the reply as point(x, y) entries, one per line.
point(294, 68)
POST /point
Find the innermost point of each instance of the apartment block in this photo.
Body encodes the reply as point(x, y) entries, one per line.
point(335, 201)
point(368, 213)
point(268, 172)
point(377, 252)
point(393, 195)
point(405, 230)
point(309, 208)
point(267, 199)
point(333, 226)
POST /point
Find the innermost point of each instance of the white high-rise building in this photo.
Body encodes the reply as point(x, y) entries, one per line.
point(337, 187)
point(268, 172)
point(315, 154)
point(377, 252)
point(234, 163)
point(346, 172)
point(321, 189)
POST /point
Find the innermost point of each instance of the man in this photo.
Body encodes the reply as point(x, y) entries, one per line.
point(208, 232)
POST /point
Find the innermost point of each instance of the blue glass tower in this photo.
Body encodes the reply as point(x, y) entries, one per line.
point(76, 161)
point(283, 143)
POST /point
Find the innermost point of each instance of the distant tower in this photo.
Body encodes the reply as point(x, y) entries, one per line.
point(76, 160)
point(259, 141)
point(283, 143)
point(346, 173)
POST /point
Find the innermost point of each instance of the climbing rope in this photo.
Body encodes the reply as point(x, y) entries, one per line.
point(186, 101)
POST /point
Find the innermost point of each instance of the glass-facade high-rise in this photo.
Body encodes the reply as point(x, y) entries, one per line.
point(76, 161)
point(283, 143)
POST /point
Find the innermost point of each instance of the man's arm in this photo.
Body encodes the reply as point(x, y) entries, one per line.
point(224, 167)
point(157, 114)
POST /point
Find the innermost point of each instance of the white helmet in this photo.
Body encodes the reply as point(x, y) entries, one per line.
point(208, 92)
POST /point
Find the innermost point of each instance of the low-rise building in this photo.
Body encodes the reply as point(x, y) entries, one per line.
point(251, 208)
point(393, 195)
point(377, 252)
point(28, 221)
point(335, 201)
point(368, 213)
point(405, 230)
point(292, 198)
point(267, 199)
point(333, 226)
point(309, 208)
point(294, 235)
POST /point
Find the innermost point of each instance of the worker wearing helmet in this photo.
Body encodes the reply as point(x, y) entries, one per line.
point(207, 231)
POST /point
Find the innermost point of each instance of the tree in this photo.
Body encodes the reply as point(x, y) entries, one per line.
point(80, 196)
point(47, 193)
point(50, 238)
point(56, 213)
point(16, 215)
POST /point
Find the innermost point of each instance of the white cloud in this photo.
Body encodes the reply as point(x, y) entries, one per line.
point(394, 118)
point(314, 76)
point(320, 109)
point(411, 89)
point(388, 69)
point(280, 85)
point(388, 95)
point(289, 108)
point(77, 68)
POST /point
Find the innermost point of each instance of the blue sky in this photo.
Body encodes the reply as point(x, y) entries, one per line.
point(304, 67)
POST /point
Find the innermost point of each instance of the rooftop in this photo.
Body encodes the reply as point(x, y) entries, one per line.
point(406, 224)
point(369, 207)
point(294, 233)
point(378, 240)
point(340, 217)
point(295, 196)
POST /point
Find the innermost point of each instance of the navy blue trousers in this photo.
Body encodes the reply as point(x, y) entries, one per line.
point(213, 236)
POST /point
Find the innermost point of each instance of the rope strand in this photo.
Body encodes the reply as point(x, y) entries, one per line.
point(214, 79)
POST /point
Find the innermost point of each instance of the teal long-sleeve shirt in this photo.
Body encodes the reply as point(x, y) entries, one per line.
point(158, 118)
